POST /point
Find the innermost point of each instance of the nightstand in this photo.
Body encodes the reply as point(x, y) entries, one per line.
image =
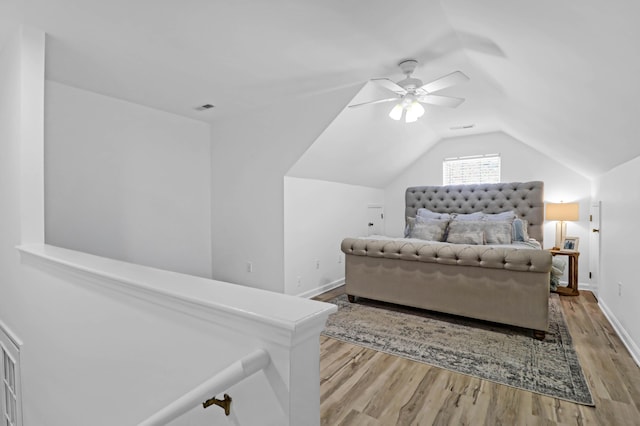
point(572, 288)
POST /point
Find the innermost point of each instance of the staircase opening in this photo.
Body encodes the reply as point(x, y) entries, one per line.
point(10, 378)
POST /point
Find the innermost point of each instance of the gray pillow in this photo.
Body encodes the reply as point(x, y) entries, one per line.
point(469, 237)
point(411, 222)
point(432, 230)
point(494, 232)
point(466, 232)
point(498, 232)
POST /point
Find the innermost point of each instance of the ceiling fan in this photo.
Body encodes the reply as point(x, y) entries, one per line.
point(411, 93)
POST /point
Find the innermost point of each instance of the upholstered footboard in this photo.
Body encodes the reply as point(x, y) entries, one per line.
point(504, 285)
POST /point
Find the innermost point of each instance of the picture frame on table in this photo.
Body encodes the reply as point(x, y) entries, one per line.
point(570, 243)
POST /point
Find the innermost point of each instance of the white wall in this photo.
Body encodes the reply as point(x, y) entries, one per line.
point(317, 216)
point(620, 196)
point(251, 154)
point(519, 163)
point(93, 353)
point(127, 182)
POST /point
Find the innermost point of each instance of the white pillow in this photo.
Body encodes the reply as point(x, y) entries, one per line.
point(466, 217)
point(508, 216)
point(426, 213)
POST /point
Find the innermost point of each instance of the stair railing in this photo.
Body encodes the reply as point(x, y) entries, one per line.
point(241, 369)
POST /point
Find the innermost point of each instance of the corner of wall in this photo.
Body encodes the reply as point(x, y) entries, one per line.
point(32, 75)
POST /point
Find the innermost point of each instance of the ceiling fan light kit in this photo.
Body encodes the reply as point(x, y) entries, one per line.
point(411, 93)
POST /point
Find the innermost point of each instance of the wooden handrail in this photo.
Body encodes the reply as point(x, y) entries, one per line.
point(229, 376)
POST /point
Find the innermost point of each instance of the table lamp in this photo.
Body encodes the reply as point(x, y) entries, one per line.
point(561, 212)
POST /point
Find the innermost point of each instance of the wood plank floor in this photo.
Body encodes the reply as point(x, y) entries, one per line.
point(360, 386)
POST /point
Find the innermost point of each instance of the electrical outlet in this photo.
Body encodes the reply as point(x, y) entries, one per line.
point(317, 264)
point(249, 267)
point(619, 288)
point(339, 258)
point(299, 282)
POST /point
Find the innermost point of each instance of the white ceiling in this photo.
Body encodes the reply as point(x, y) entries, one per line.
point(559, 76)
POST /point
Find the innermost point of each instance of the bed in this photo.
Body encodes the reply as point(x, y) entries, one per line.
point(502, 283)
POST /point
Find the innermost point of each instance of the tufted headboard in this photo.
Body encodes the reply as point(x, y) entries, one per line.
point(525, 198)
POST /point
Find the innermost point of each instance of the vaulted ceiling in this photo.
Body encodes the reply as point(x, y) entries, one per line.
point(559, 76)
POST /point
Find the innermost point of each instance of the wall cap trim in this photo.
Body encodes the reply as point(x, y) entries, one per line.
point(283, 319)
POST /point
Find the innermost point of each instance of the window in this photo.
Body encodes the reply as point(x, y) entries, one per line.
point(9, 380)
point(472, 169)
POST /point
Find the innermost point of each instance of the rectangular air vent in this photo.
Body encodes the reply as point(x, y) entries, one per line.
point(463, 127)
point(204, 107)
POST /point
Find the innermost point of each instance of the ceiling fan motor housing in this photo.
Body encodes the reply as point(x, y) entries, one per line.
point(408, 66)
point(410, 84)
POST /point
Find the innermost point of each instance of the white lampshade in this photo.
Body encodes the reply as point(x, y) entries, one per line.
point(396, 112)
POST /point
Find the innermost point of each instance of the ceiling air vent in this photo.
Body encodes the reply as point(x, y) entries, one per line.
point(463, 127)
point(204, 107)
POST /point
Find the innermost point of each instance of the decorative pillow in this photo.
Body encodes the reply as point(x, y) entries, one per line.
point(508, 216)
point(520, 230)
point(498, 232)
point(466, 232)
point(411, 222)
point(470, 237)
point(426, 213)
point(432, 230)
point(467, 217)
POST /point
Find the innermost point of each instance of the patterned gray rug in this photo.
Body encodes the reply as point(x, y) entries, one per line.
point(502, 354)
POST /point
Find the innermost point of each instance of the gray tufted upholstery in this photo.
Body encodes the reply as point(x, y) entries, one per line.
point(525, 198)
point(451, 254)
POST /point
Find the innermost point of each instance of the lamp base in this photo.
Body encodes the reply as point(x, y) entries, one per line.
point(561, 232)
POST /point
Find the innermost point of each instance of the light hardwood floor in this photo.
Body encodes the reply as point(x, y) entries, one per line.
point(360, 386)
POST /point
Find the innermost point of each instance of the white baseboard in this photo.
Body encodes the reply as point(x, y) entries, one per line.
point(322, 289)
point(631, 346)
point(586, 286)
point(581, 285)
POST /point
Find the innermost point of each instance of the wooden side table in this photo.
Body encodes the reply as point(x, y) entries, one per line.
point(572, 288)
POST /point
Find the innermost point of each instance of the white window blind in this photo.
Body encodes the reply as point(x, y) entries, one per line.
point(472, 169)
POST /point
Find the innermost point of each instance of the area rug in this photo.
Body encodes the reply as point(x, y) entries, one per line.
point(502, 354)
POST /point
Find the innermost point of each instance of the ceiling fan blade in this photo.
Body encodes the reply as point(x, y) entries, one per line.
point(374, 102)
point(447, 101)
point(390, 85)
point(444, 82)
